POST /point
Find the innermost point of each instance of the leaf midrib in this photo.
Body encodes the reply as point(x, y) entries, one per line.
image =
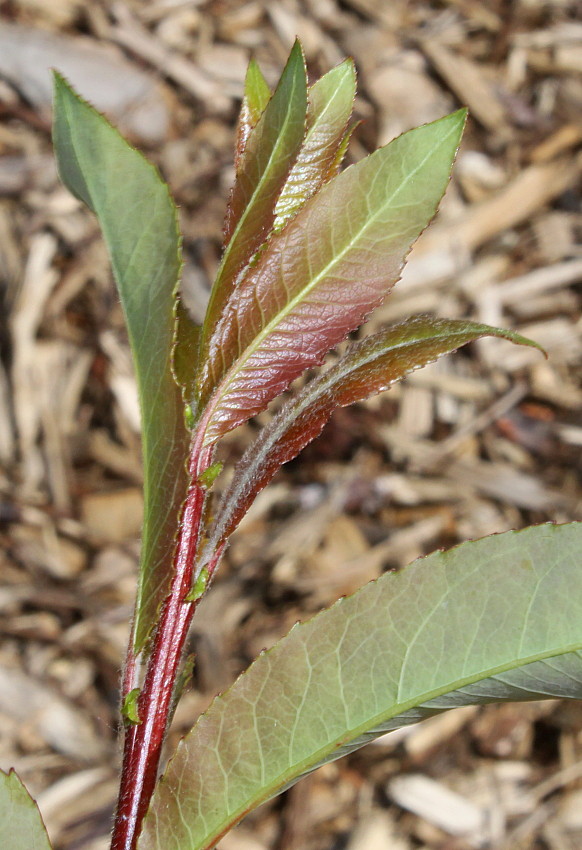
point(241, 361)
point(301, 768)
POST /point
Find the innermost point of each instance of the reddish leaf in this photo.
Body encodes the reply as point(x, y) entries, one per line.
point(269, 154)
point(324, 273)
point(367, 368)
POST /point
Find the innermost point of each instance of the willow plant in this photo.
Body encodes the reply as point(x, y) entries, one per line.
point(309, 252)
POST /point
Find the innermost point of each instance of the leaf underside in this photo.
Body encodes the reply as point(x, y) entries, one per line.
point(319, 278)
point(21, 826)
point(367, 368)
point(139, 224)
point(494, 619)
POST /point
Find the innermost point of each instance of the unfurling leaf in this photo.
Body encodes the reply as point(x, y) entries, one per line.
point(255, 99)
point(268, 156)
point(494, 619)
point(139, 224)
point(200, 586)
point(331, 101)
point(367, 368)
point(319, 278)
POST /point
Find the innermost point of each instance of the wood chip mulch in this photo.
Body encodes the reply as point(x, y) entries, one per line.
point(481, 442)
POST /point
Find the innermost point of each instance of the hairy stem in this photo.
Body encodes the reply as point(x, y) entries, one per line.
point(144, 740)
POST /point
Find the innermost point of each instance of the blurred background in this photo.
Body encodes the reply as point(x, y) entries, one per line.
point(484, 441)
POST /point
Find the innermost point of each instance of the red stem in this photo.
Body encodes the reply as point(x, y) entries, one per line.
point(143, 741)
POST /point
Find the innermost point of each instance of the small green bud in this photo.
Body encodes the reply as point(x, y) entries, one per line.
point(189, 417)
point(129, 708)
point(209, 476)
point(199, 586)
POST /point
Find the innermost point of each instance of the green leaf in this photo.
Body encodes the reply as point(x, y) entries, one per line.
point(255, 99)
point(186, 345)
point(331, 100)
point(268, 155)
point(495, 619)
point(21, 826)
point(257, 92)
point(367, 368)
point(318, 279)
point(139, 224)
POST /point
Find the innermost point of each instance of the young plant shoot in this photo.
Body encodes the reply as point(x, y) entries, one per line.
point(309, 252)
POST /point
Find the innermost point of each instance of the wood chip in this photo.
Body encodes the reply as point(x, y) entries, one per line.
point(377, 832)
point(113, 517)
point(559, 142)
point(132, 98)
point(402, 91)
point(39, 279)
point(469, 82)
point(447, 245)
point(431, 733)
point(437, 804)
point(129, 33)
point(58, 722)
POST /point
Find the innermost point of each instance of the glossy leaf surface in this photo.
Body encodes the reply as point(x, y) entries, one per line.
point(21, 827)
point(139, 224)
point(268, 156)
point(367, 368)
point(494, 619)
point(331, 101)
point(325, 272)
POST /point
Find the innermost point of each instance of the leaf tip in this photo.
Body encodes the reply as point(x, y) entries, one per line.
point(457, 119)
point(297, 59)
point(61, 89)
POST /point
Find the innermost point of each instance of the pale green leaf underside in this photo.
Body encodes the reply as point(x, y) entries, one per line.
point(495, 619)
point(21, 827)
point(139, 224)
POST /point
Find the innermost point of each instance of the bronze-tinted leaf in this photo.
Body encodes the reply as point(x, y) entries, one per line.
point(269, 153)
point(324, 273)
point(367, 368)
